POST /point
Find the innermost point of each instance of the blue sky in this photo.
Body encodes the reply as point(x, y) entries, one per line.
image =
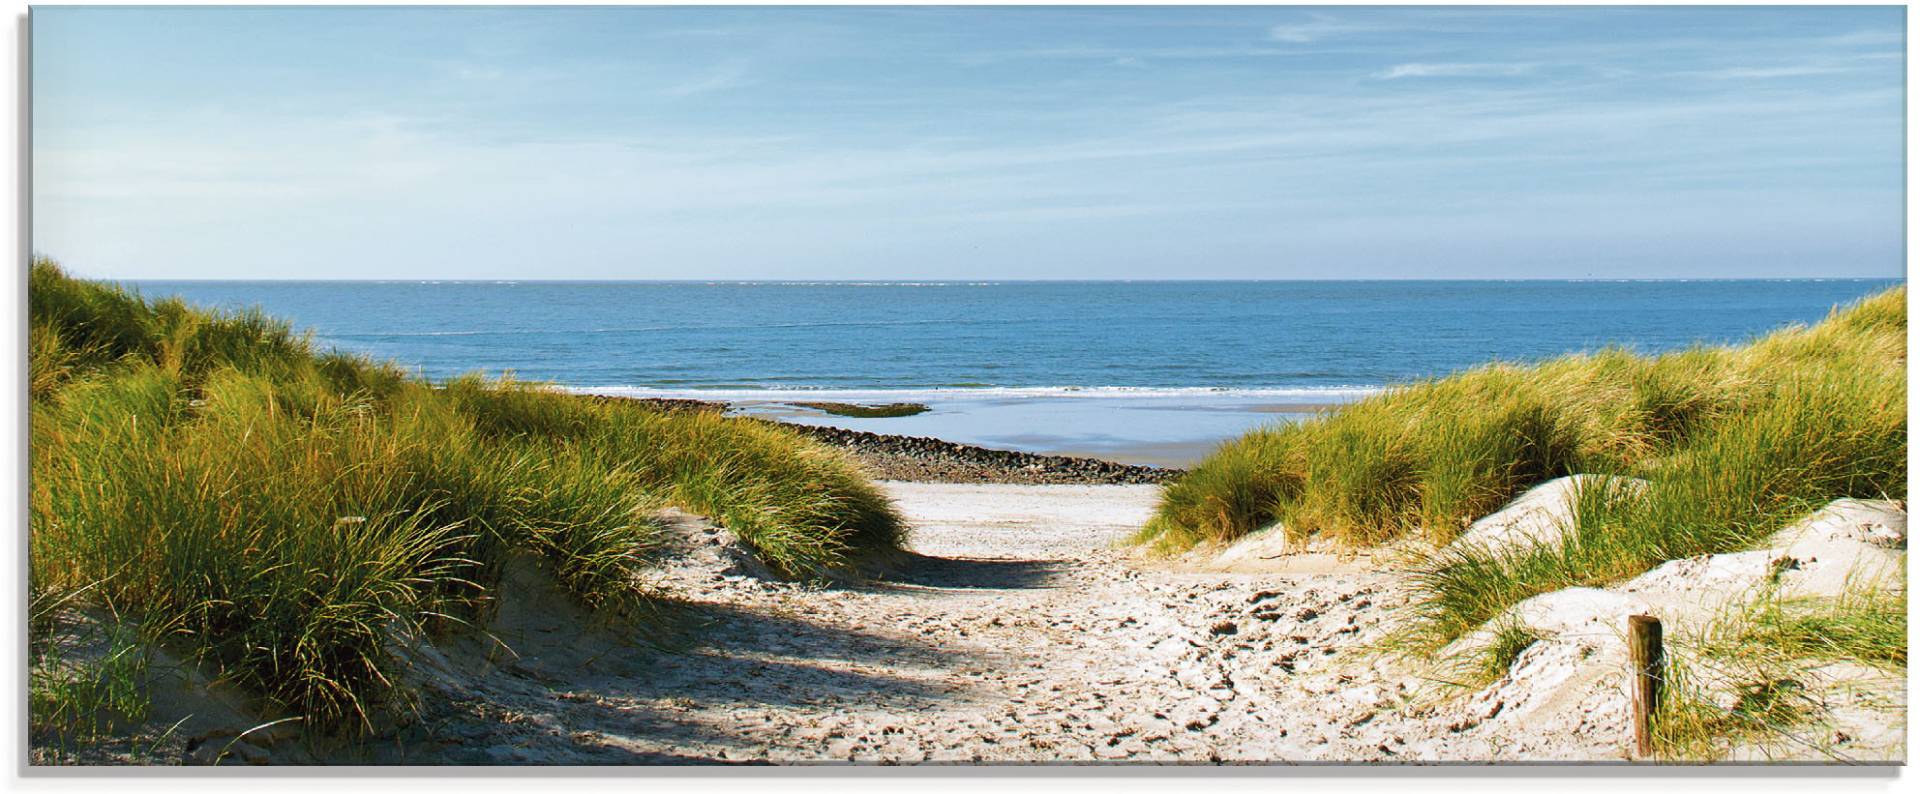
point(1075, 142)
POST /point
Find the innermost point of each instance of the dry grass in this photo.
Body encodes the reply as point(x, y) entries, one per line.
point(1735, 441)
point(1428, 458)
point(281, 514)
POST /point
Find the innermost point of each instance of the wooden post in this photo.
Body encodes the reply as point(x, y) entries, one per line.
point(1646, 670)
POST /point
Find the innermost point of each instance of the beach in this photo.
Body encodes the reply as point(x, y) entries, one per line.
point(726, 576)
point(1021, 631)
point(1018, 632)
point(1122, 386)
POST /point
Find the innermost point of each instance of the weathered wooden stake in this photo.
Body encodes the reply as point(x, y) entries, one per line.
point(1647, 673)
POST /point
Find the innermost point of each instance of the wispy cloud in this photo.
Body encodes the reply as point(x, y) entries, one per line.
point(732, 74)
point(1123, 56)
point(1027, 139)
point(1456, 70)
point(474, 71)
point(1770, 72)
point(1320, 27)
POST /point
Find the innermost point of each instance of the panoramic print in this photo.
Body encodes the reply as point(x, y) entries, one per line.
point(966, 385)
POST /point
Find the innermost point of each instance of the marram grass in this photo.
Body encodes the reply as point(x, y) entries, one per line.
point(1766, 658)
point(1735, 442)
point(283, 515)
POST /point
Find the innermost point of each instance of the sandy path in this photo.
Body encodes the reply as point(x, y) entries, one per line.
point(1019, 634)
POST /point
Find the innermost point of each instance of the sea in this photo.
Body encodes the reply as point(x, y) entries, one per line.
point(1154, 372)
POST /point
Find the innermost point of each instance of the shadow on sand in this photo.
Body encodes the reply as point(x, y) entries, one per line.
point(961, 573)
point(706, 700)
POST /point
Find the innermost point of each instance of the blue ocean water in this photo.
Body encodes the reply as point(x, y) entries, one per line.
point(998, 359)
point(895, 336)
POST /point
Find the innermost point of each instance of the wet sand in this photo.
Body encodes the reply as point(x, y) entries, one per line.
point(1171, 432)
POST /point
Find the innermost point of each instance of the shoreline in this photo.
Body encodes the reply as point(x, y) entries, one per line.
point(905, 458)
point(932, 460)
point(1020, 606)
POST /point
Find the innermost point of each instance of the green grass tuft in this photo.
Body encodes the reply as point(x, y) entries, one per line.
point(1866, 624)
point(282, 514)
point(70, 700)
point(1509, 642)
point(1735, 442)
point(1426, 459)
point(1764, 657)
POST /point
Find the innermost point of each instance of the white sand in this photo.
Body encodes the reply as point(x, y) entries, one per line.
point(1020, 633)
point(1031, 521)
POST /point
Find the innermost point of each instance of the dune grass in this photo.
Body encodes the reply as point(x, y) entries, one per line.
point(1765, 659)
point(1509, 641)
point(1689, 725)
point(1865, 624)
point(72, 701)
point(1735, 441)
point(283, 514)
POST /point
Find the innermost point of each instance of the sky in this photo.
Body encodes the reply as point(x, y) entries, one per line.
point(969, 142)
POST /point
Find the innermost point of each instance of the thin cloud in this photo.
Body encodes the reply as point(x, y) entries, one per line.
point(1118, 54)
point(731, 75)
point(1771, 72)
point(1406, 70)
point(1321, 27)
point(1111, 140)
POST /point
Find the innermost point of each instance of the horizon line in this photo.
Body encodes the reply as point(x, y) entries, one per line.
point(980, 281)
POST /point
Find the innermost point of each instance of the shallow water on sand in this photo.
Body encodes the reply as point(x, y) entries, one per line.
point(1155, 429)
